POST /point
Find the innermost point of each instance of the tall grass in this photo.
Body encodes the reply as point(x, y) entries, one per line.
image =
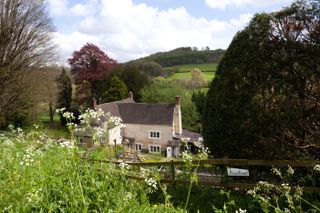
point(38, 174)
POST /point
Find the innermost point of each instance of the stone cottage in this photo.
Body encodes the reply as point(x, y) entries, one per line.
point(149, 128)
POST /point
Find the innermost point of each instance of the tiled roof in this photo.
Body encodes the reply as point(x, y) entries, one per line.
point(140, 113)
point(112, 107)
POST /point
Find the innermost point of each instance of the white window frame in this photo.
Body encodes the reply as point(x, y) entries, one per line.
point(154, 131)
point(154, 145)
point(138, 144)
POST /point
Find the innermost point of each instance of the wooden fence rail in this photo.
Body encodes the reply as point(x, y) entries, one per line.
point(228, 162)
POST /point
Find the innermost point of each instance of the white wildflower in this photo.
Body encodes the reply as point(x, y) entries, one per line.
point(152, 183)
point(60, 110)
point(251, 192)
point(68, 115)
point(186, 157)
point(128, 196)
point(241, 211)
point(290, 170)
point(124, 166)
point(317, 168)
point(276, 171)
point(286, 210)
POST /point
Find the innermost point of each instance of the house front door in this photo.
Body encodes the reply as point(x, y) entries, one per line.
point(169, 152)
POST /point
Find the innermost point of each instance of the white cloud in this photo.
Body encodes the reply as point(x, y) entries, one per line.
point(223, 4)
point(57, 7)
point(126, 31)
point(85, 9)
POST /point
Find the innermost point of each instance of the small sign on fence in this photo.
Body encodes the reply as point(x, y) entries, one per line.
point(238, 172)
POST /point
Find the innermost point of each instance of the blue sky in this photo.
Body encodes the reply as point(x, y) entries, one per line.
point(129, 29)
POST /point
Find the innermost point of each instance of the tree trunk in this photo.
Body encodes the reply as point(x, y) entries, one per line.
point(51, 114)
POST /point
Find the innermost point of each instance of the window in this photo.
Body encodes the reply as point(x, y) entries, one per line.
point(138, 147)
point(154, 134)
point(81, 142)
point(154, 148)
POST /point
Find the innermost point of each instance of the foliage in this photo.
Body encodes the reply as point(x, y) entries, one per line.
point(90, 65)
point(134, 80)
point(265, 93)
point(281, 198)
point(151, 69)
point(197, 79)
point(161, 91)
point(39, 174)
point(83, 96)
point(183, 55)
point(25, 45)
point(65, 93)
point(199, 98)
point(117, 90)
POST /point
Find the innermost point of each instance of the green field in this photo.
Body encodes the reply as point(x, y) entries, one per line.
point(183, 71)
point(210, 67)
point(187, 75)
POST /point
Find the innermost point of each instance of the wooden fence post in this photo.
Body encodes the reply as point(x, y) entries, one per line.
point(173, 175)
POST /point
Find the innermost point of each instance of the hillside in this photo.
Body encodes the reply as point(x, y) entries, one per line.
point(183, 55)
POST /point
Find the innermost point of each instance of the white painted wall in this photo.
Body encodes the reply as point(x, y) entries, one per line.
point(141, 134)
point(115, 135)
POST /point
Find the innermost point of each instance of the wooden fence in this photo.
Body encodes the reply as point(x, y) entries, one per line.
point(227, 162)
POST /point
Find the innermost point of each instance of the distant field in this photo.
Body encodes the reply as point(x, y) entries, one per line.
point(187, 75)
point(184, 71)
point(211, 67)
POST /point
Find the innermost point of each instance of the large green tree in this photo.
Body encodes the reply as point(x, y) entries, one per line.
point(134, 80)
point(64, 98)
point(264, 101)
point(117, 90)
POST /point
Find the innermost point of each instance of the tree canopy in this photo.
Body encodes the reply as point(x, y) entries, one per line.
point(89, 67)
point(183, 55)
point(90, 63)
point(64, 98)
point(117, 90)
point(151, 69)
point(133, 78)
point(25, 45)
point(264, 101)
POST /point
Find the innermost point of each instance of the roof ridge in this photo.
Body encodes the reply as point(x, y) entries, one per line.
point(149, 103)
point(117, 102)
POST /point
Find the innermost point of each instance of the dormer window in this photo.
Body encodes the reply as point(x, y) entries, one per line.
point(154, 134)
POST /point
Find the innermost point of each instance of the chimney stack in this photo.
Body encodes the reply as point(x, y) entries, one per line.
point(177, 100)
point(177, 121)
point(94, 103)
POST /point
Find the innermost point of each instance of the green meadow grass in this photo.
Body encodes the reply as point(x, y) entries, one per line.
point(209, 67)
point(187, 76)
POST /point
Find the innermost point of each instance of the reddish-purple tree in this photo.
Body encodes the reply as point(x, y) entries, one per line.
point(90, 64)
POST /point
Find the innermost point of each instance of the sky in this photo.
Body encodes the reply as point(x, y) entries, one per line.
point(130, 29)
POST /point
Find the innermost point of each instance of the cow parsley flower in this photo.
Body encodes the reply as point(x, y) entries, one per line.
point(241, 211)
point(276, 171)
point(317, 168)
point(68, 115)
point(290, 170)
point(152, 183)
point(124, 166)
